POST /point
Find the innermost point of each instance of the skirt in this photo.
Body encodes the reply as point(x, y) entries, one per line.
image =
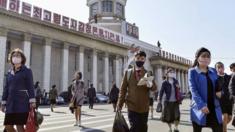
point(170, 112)
point(16, 118)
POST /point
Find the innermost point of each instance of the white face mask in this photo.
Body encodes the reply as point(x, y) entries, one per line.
point(171, 75)
point(16, 60)
point(204, 61)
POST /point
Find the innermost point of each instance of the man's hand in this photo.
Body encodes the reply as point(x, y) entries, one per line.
point(119, 108)
point(205, 110)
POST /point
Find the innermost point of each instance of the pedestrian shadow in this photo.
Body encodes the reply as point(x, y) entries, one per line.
point(83, 128)
point(88, 115)
point(59, 112)
point(101, 109)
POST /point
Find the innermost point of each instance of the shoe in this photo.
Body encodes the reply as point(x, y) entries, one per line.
point(52, 110)
point(175, 130)
point(79, 123)
point(76, 123)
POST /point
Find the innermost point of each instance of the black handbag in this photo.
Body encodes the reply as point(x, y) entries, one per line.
point(159, 107)
point(233, 122)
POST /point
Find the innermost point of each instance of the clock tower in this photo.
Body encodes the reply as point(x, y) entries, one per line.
point(107, 13)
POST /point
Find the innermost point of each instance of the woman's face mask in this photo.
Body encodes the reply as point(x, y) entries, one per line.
point(16, 60)
point(171, 75)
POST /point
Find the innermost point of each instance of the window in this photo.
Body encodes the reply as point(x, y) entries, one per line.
point(107, 6)
point(119, 9)
point(94, 9)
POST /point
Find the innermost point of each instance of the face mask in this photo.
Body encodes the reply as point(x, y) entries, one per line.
point(16, 60)
point(204, 61)
point(139, 63)
point(171, 75)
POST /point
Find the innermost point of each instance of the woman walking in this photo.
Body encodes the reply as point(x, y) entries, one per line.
point(222, 92)
point(18, 94)
point(78, 91)
point(205, 107)
point(170, 112)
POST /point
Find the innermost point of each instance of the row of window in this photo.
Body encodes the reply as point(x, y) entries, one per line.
point(107, 6)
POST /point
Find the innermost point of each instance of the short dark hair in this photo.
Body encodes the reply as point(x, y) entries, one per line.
point(17, 50)
point(232, 66)
point(140, 53)
point(53, 86)
point(219, 63)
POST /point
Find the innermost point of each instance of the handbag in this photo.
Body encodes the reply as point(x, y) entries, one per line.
point(159, 107)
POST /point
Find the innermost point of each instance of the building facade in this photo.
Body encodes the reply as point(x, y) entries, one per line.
point(56, 46)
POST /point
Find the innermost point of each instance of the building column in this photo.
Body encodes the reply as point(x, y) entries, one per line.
point(182, 81)
point(186, 82)
point(65, 65)
point(106, 72)
point(47, 64)
point(27, 48)
point(3, 46)
point(117, 71)
point(158, 76)
point(95, 66)
point(81, 59)
point(178, 77)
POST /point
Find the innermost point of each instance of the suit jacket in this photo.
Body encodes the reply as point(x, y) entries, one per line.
point(136, 97)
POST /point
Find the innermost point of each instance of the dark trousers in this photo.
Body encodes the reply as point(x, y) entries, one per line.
point(215, 128)
point(138, 121)
point(91, 103)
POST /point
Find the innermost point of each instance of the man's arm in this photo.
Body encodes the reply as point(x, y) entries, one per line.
point(123, 90)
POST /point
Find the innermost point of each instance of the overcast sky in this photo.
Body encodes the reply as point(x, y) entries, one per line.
point(182, 26)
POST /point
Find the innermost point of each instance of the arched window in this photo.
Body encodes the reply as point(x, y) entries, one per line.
point(107, 6)
point(119, 9)
point(94, 9)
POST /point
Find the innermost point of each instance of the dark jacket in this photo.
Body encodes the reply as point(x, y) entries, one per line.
point(222, 84)
point(114, 94)
point(231, 85)
point(166, 88)
point(53, 94)
point(91, 93)
point(18, 91)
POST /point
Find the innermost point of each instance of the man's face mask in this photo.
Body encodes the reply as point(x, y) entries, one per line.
point(139, 60)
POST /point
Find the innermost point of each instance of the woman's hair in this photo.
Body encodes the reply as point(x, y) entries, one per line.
point(198, 53)
point(17, 50)
point(219, 64)
point(78, 73)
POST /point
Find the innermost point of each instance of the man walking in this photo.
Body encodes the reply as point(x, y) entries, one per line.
point(91, 95)
point(136, 96)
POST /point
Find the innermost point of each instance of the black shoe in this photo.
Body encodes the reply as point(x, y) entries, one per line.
point(175, 130)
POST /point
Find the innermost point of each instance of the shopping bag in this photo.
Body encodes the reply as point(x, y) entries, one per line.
point(30, 124)
point(159, 107)
point(120, 124)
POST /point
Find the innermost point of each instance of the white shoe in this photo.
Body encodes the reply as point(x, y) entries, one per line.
point(79, 123)
point(76, 123)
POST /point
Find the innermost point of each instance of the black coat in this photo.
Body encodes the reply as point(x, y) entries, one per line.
point(113, 96)
point(91, 93)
